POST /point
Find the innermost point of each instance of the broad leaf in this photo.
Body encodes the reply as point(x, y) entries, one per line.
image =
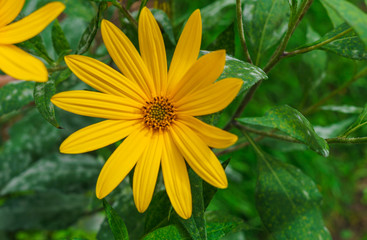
point(220, 225)
point(45, 210)
point(61, 45)
point(355, 17)
point(42, 98)
point(292, 122)
point(117, 225)
point(15, 95)
point(67, 173)
point(335, 19)
point(158, 211)
point(168, 232)
point(265, 23)
point(287, 201)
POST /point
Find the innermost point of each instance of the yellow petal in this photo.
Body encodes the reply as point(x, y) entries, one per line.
point(121, 162)
point(21, 65)
point(212, 136)
point(176, 178)
point(187, 49)
point(198, 155)
point(9, 9)
point(95, 104)
point(126, 57)
point(98, 135)
point(146, 172)
point(31, 25)
point(104, 78)
point(152, 50)
point(210, 99)
point(203, 73)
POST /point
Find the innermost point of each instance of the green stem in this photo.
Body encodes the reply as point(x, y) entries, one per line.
point(253, 144)
point(142, 5)
point(308, 49)
point(241, 30)
point(126, 13)
point(347, 140)
point(315, 106)
point(56, 68)
point(291, 27)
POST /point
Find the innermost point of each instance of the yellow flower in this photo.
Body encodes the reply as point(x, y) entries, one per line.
point(14, 61)
point(154, 110)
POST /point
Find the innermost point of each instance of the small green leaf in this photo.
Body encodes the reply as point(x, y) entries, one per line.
point(235, 68)
point(287, 201)
point(61, 45)
point(292, 122)
point(117, 225)
point(164, 23)
point(361, 121)
point(36, 47)
point(91, 31)
point(42, 98)
point(355, 17)
point(165, 233)
point(266, 22)
point(15, 95)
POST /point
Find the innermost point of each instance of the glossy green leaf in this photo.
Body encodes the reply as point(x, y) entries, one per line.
point(355, 17)
point(235, 68)
point(91, 31)
point(158, 211)
point(165, 233)
point(36, 47)
point(293, 123)
point(117, 225)
point(214, 26)
point(49, 210)
point(358, 123)
point(15, 95)
point(265, 24)
point(287, 202)
point(220, 225)
point(164, 23)
point(70, 173)
point(59, 41)
point(42, 98)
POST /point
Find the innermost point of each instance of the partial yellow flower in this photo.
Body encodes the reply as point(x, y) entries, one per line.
point(153, 110)
point(14, 61)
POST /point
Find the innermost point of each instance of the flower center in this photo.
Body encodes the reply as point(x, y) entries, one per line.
point(158, 113)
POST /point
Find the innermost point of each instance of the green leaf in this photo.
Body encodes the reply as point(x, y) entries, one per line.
point(265, 23)
point(42, 98)
point(91, 31)
point(44, 210)
point(214, 26)
point(334, 17)
point(360, 122)
point(164, 23)
point(15, 95)
point(70, 173)
point(195, 225)
point(165, 233)
point(158, 211)
point(116, 224)
point(292, 122)
point(220, 225)
point(59, 41)
point(355, 17)
point(235, 68)
point(36, 47)
point(287, 202)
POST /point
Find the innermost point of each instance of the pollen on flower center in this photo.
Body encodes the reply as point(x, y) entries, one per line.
point(158, 113)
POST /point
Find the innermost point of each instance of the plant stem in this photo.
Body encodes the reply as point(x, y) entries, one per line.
point(312, 108)
point(56, 68)
point(241, 31)
point(291, 27)
point(143, 3)
point(310, 48)
point(127, 14)
point(347, 140)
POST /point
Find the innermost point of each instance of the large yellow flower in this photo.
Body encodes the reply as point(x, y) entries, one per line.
point(14, 61)
point(153, 110)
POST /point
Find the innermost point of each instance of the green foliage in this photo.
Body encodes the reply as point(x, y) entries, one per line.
point(116, 224)
point(14, 96)
point(60, 44)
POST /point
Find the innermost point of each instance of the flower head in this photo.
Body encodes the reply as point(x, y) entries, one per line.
point(14, 61)
point(154, 110)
